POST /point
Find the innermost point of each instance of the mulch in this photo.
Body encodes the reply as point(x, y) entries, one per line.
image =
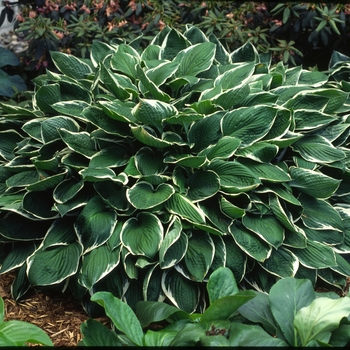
point(59, 317)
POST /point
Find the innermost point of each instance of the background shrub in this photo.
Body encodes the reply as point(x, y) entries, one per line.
point(140, 171)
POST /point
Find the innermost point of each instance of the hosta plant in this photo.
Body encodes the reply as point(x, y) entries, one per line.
point(140, 172)
point(233, 318)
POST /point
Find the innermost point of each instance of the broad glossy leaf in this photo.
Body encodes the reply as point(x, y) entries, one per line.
point(124, 60)
point(246, 53)
point(142, 234)
point(184, 294)
point(79, 142)
point(320, 318)
point(234, 177)
point(281, 262)
point(97, 264)
point(311, 120)
point(173, 43)
point(251, 336)
point(162, 72)
point(259, 151)
point(121, 315)
point(182, 206)
point(186, 160)
point(100, 174)
point(53, 265)
point(24, 178)
point(250, 243)
point(174, 245)
point(233, 97)
point(195, 59)
point(67, 189)
point(118, 110)
point(293, 294)
point(238, 75)
point(313, 183)
point(223, 149)
point(46, 96)
point(148, 137)
point(319, 214)
point(95, 224)
point(9, 140)
point(47, 182)
point(149, 162)
point(50, 127)
point(266, 227)
point(249, 124)
point(318, 149)
point(224, 307)
point(144, 196)
point(96, 334)
point(221, 284)
point(39, 204)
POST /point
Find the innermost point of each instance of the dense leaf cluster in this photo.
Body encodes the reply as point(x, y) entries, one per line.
point(142, 171)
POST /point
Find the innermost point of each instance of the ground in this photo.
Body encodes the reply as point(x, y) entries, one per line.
point(60, 317)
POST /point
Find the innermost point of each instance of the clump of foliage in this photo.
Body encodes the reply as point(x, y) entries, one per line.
point(295, 33)
point(142, 171)
point(20, 333)
point(233, 318)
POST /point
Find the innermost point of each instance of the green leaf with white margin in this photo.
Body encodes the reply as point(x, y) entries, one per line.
point(309, 120)
point(231, 210)
point(124, 60)
point(318, 214)
point(320, 318)
point(50, 127)
point(173, 43)
point(79, 142)
point(266, 171)
point(162, 72)
point(142, 234)
point(153, 112)
point(281, 263)
point(99, 51)
point(39, 204)
point(147, 136)
point(318, 149)
point(234, 177)
point(54, 264)
point(47, 182)
point(198, 258)
point(184, 294)
point(119, 110)
point(195, 59)
point(236, 76)
point(17, 256)
point(250, 243)
point(260, 151)
point(122, 316)
point(46, 96)
point(9, 140)
point(98, 174)
point(23, 179)
point(251, 335)
point(316, 255)
point(185, 208)
point(202, 184)
point(245, 53)
point(70, 65)
point(293, 294)
point(221, 283)
point(111, 156)
point(313, 183)
point(223, 149)
point(281, 125)
point(67, 189)
point(97, 264)
point(249, 124)
point(174, 245)
point(149, 162)
point(187, 160)
point(233, 97)
point(143, 196)
point(95, 224)
point(267, 227)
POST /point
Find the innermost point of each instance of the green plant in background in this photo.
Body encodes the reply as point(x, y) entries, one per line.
point(19, 333)
point(142, 171)
point(233, 318)
point(9, 83)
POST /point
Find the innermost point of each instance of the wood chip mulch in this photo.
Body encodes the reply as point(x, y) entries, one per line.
point(59, 317)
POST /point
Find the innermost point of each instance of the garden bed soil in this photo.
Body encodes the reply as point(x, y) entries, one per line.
point(61, 316)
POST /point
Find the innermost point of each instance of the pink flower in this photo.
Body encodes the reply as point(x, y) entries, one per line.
point(32, 14)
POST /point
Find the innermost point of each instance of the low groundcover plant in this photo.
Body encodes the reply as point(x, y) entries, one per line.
point(141, 171)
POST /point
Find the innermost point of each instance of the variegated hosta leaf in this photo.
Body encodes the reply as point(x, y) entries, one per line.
point(311, 119)
point(235, 76)
point(79, 142)
point(183, 293)
point(144, 196)
point(250, 243)
point(142, 235)
point(113, 156)
point(119, 110)
point(67, 189)
point(9, 140)
point(198, 258)
point(313, 183)
point(54, 264)
point(234, 177)
point(50, 127)
point(186, 160)
point(318, 149)
point(95, 224)
point(39, 204)
point(152, 285)
point(202, 185)
point(124, 60)
point(223, 149)
point(97, 264)
point(147, 136)
point(148, 162)
point(174, 245)
point(260, 151)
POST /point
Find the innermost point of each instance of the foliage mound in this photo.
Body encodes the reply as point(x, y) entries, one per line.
point(233, 318)
point(140, 172)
